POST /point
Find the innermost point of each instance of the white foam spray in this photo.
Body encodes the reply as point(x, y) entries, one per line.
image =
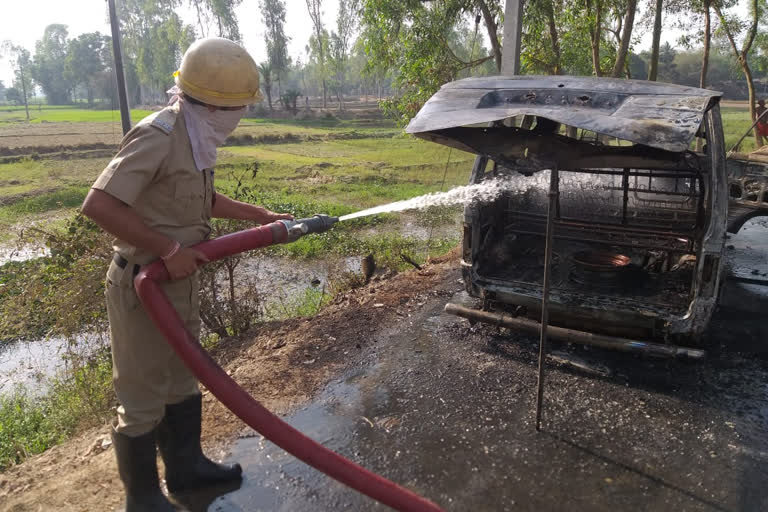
point(479, 193)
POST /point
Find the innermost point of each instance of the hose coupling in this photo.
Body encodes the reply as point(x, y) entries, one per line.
point(316, 224)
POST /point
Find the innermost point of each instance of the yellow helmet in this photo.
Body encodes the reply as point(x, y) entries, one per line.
point(219, 72)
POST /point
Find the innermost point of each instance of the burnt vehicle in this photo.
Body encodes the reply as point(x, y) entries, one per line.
point(640, 195)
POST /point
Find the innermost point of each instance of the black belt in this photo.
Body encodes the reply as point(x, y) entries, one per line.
point(122, 262)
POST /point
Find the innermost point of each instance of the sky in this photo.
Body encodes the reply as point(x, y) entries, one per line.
point(23, 22)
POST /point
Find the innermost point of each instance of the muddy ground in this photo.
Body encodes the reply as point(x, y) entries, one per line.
point(446, 408)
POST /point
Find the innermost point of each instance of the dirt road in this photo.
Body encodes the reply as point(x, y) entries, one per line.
point(446, 409)
point(387, 379)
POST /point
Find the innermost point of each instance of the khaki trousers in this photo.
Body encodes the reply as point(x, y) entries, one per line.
point(147, 373)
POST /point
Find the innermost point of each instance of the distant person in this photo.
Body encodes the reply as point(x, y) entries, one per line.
point(762, 122)
point(157, 197)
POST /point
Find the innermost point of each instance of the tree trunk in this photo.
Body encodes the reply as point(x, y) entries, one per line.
point(752, 99)
point(626, 35)
point(493, 34)
point(653, 70)
point(325, 95)
point(24, 89)
point(553, 36)
point(707, 40)
point(594, 36)
point(742, 56)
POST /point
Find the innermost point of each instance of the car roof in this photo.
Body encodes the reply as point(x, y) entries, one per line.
point(655, 114)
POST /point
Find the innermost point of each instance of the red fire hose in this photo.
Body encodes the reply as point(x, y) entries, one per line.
point(237, 400)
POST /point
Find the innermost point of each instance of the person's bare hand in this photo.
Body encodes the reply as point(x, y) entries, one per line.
point(281, 216)
point(184, 263)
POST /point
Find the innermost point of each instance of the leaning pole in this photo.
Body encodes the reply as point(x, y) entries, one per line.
point(122, 93)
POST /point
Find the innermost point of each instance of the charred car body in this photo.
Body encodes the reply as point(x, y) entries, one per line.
point(641, 204)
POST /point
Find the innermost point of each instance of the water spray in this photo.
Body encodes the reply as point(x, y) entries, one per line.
point(484, 192)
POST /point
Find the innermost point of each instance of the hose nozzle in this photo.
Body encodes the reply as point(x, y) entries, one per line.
point(316, 224)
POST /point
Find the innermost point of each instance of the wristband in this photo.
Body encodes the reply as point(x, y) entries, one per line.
point(172, 252)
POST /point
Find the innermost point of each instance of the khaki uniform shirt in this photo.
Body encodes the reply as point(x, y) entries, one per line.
point(154, 173)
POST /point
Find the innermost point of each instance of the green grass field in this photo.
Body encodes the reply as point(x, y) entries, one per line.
point(355, 163)
point(736, 122)
point(348, 173)
point(63, 114)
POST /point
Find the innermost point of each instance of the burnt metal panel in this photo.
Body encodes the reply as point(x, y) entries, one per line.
point(658, 115)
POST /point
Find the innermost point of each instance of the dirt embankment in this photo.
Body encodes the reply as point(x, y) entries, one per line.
point(283, 364)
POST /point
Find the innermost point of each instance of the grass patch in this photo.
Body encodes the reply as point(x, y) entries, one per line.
point(736, 122)
point(27, 208)
point(385, 246)
point(307, 304)
point(324, 124)
point(65, 114)
point(31, 176)
point(30, 425)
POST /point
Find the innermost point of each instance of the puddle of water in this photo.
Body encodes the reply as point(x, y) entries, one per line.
point(31, 364)
point(746, 285)
point(23, 253)
point(747, 250)
point(286, 280)
point(330, 420)
point(355, 416)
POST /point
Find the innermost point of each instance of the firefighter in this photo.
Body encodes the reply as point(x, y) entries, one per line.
point(157, 197)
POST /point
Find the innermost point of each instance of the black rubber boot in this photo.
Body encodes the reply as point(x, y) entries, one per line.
point(137, 465)
point(178, 436)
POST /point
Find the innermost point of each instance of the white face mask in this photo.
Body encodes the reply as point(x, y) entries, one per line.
point(207, 130)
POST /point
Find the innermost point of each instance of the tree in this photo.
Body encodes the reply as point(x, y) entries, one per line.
point(14, 95)
point(288, 99)
point(159, 57)
point(48, 65)
point(556, 38)
point(424, 44)
point(319, 49)
point(616, 17)
point(314, 8)
point(154, 38)
point(85, 61)
point(706, 5)
point(275, 38)
point(266, 79)
point(346, 22)
point(221, 13)
point(732, 27)
point(628, 24)
point(20, 61)
point(653, 70)
point(2, 91)
point(667, 66)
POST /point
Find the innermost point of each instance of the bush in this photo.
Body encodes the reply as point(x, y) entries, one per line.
point(60, 295)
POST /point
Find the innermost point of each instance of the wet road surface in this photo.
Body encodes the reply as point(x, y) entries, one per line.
point(446, 409)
